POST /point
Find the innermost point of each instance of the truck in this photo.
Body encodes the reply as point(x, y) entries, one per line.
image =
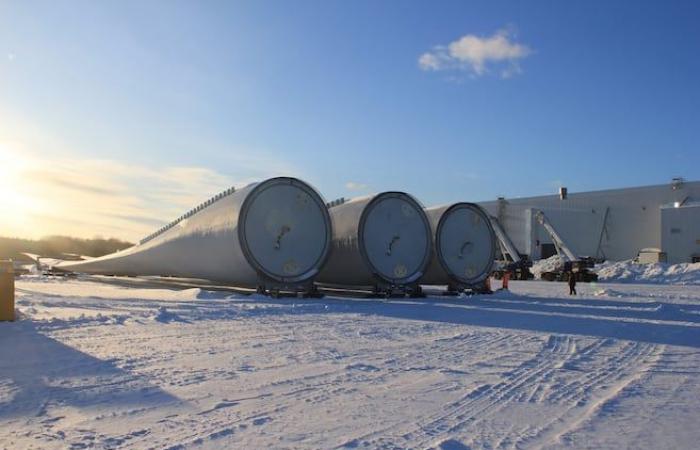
point(571, 263)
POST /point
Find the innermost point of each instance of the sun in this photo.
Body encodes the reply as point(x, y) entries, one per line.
point(17, 202)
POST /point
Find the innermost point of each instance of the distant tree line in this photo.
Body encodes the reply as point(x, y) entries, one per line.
point(59, 246)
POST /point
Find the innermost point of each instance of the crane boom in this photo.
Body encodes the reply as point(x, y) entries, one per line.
point(506, 243)
point(562, 249)
point(519, 268)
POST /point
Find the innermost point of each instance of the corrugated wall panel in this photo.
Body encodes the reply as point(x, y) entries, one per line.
point(634, 220)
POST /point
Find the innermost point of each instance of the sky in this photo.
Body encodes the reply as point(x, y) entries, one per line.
point(116, 117)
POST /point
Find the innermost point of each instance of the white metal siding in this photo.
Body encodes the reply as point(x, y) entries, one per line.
point(680, 233)
point(634, 220)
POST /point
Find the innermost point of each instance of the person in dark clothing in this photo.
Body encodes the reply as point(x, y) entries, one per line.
point(572, 283)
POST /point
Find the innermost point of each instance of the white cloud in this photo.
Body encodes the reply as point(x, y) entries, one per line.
point(353, 186)
point(88, 197)
point(82, 197)
point(429, 61)
point(476, 54)
point(52, 187)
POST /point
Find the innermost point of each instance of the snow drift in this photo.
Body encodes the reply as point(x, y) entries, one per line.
point(657, 273)
point(550, 264)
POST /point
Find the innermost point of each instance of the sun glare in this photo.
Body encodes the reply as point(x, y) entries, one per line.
point(17, 204)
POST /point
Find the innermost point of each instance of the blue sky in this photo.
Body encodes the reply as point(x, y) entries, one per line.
point(590, 95)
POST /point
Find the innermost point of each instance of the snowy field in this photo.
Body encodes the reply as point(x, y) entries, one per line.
point(123, 365)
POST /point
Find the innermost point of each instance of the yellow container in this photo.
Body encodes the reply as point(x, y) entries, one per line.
point(7, 291)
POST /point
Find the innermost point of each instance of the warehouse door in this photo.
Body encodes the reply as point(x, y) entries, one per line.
point(548, 250)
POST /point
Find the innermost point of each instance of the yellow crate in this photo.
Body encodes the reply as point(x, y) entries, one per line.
point(7, 291)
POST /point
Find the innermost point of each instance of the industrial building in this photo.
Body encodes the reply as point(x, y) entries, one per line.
point(612, 224)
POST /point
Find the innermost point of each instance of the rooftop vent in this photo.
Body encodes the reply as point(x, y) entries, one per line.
point(677, 183)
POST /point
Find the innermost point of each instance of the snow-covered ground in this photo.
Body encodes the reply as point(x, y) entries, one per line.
point(550, 264)
point(126, 365)
point(631, 272)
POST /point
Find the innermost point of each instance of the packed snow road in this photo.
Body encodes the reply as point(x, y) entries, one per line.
point(96, 365)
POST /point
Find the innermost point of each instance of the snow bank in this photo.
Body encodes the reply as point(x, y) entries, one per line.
point(657, 273)
point(546, 265)
point(58, 287)
point(164, 316)
point(631, 272)
point(611, 293)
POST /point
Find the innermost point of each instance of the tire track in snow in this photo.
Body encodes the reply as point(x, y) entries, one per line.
point(615, 367)
point(531, 382)
point(486, 398)
point(477, 344)
point(618, 368)
point(542, 391)
point(580, 389)
point(620, 371)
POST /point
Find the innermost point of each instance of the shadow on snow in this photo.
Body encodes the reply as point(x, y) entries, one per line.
point(645, 321)
point(653, 322)
point(44, 372)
